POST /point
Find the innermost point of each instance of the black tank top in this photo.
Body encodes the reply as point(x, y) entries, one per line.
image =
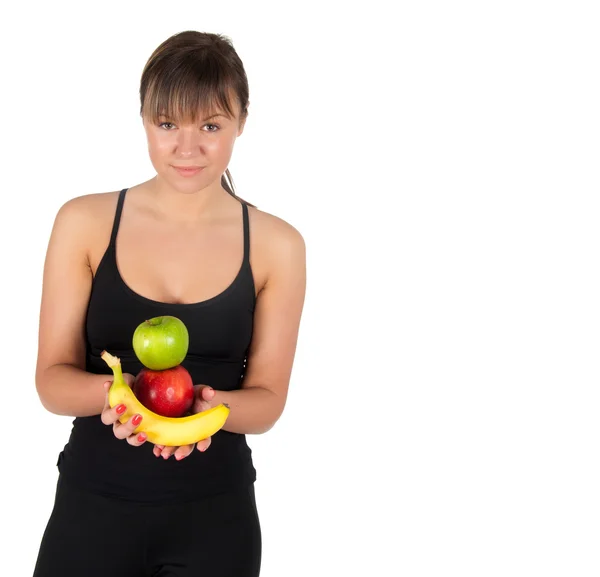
point(220, 331)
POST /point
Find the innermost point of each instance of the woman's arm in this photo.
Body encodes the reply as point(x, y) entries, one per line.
point(63, 385)
point(258, 405)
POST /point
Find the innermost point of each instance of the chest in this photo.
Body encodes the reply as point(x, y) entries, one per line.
point(179, 267)
point(200, 276)
point(220, 327)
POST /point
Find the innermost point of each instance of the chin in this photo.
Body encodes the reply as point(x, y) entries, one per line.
point(183, 185)
point(186, 187)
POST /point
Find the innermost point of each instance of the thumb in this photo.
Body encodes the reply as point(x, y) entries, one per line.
point(106, 386)
point(206, 393)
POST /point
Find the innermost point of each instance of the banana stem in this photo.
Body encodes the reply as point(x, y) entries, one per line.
point(114, 363)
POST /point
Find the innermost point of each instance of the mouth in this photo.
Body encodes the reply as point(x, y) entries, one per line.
point(188, 170)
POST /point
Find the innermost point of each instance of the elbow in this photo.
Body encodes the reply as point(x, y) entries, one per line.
point(272, 417)
point(52, 407)
point(45, 399)
point(41, 392)
point(265, 428)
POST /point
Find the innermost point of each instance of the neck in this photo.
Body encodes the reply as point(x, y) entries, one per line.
point(186, 207)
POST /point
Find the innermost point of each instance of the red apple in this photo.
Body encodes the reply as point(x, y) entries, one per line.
point(169, 392)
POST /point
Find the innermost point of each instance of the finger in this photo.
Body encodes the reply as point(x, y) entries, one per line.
point(183, 452)
point(157, 450)
point(204, 444)
point(111, 416)
point(106, 407)
point(202, 398)
point(137, 440)
point(126, 429)
point(200, 406)
point(106, 388)
point(167, 452)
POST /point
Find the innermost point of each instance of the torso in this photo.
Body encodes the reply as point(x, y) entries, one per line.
point(191, 271)
point(196, 275)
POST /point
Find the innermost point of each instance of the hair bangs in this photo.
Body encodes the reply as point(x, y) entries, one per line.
point(183, 96)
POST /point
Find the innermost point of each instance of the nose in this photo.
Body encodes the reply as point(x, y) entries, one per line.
point(189, 141)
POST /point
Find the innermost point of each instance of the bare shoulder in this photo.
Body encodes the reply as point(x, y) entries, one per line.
point(87, 220)
point(88, 207)
point(274, 234)
point(277, 247)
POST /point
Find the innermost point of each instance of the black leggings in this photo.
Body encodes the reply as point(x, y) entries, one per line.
point(90, 535)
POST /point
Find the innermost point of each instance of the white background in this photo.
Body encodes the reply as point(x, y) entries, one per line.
point(441, 162)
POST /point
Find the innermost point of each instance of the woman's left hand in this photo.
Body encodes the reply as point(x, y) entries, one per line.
point(203, 396)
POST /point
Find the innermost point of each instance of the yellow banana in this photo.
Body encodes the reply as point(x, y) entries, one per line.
point(168, 431)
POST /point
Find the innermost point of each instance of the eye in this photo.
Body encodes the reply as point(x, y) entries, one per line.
point(216, 126)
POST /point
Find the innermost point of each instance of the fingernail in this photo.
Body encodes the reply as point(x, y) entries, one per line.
point(141, 437)
point(121, 409)
point(137, 420)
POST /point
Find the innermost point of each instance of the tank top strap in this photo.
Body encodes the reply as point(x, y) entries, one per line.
point(115, 228)
point(246, 234)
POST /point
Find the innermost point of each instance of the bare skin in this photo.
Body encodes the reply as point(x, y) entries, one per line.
point(192, 250)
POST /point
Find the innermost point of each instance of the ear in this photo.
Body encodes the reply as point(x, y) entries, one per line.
point(241, 128)
point(243, 121)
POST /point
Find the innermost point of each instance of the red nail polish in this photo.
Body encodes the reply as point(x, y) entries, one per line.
point(137, 420)
point(121, 409)
point(141, 437)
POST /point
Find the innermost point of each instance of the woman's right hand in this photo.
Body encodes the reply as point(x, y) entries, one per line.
point(111, 417)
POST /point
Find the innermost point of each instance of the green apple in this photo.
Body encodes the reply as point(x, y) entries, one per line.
point(161, 342)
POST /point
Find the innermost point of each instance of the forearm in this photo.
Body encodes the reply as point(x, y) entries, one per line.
point(253, 410)
point(69, 391)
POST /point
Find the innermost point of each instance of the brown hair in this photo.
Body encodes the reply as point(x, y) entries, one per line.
point(193, 72)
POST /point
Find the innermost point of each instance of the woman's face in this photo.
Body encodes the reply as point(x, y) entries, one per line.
point(207, 144)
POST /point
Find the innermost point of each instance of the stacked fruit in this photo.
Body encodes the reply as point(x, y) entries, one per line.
point(163, 385)
point(163, 391)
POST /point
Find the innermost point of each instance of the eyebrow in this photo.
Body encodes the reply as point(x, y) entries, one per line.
point(207, 118)
point(215, 116)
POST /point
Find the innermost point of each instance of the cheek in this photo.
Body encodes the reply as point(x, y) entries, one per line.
point(215, 148)
point(160, 146)
point(221, 147)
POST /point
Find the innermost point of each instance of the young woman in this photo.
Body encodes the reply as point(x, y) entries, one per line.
point(180, 244)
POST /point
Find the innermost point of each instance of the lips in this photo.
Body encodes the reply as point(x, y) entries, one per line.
point(188, 170)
